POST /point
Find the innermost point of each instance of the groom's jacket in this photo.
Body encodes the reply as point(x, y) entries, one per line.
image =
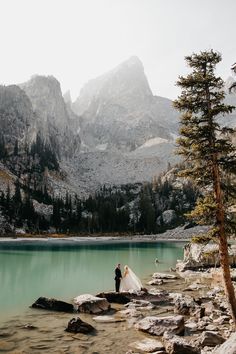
point(118, 274)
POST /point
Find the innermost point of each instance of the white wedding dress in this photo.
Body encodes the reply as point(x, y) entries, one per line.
point(130, 281)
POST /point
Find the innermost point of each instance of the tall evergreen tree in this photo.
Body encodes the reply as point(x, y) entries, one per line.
point(209, 151)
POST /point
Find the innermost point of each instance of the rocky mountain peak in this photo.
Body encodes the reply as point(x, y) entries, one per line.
point(67, 98)
point(46, 97)
point(55, 120)
point(125, 85)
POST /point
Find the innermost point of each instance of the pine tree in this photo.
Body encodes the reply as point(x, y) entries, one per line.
point(209, 151)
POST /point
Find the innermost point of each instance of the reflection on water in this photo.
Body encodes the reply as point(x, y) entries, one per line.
point(63, 270)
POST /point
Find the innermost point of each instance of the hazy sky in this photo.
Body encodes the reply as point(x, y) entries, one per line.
point(76, 40)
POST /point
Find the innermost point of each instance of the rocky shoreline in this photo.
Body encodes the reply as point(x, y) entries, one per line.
point(179, 313)
point(181, 233)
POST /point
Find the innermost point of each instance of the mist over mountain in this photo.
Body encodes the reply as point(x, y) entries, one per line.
point(119, 111)
point(116, 131)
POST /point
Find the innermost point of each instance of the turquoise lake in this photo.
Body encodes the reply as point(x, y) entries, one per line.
point(66, 269)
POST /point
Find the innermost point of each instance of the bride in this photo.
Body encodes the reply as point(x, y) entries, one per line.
point(130, 281)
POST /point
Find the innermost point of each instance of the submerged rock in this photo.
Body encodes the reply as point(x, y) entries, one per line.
point(158, 325)
point(91, 304)
point(148, 345)
point(76, 325)
point(51, 304)
point(107, 319)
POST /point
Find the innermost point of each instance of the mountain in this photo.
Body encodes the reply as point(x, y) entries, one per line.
point(56, 121)
point(127, 134)
point(119, 111)
point(17, 116)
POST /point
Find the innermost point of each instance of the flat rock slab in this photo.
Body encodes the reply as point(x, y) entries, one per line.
point(148, 345)
point(107, 319)
point(140, 304)
point(129, 313)
point(125, 297)
point(91, 304)
point(116, 298)
point(51, 304)
point(156, 282)
point(164, 276)
point(159, 325)
point(76, 325)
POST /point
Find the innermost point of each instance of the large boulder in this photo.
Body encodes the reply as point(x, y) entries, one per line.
point(91, 304)
point(76, 325)
point(177, 345)
point(185, 305)
point(51, 304)
point(169, 217)
point(228, 347)
point(201, 256)
point(159, 325)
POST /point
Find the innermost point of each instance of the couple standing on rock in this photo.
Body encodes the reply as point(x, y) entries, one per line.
point(128, 282)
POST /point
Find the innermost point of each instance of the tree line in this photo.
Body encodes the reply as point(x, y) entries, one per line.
point(132, 208)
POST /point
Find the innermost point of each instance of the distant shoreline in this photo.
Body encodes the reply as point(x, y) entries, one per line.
point(89, 239)
point(179, 234)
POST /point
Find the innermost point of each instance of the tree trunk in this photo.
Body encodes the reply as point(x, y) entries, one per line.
point(223, 244)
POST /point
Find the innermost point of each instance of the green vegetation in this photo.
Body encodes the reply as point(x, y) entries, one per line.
point(129, 208)
point(210, 153)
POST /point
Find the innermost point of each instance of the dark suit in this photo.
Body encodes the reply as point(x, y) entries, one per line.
point(118, 277)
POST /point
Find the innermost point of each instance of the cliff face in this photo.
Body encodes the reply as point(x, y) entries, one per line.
point(56, 122)
point(17, 116)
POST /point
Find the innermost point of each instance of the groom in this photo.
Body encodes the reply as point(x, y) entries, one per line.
point(118, 277)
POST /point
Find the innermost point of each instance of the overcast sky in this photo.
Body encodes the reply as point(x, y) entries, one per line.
point(77, 40)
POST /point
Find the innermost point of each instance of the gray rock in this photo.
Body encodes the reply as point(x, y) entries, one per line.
point(51, 304)
point(158, 325)
point(164, 276)
point(156, 282)
point(91, 304)
point(210, 339)
point(229, 346)
point(184, 305)
point(176, 345)
point(107, 319)
point(169, 217)
point(140, 304)
point(198, 256)
point(148, 345)
point(129, 313)
point(191, 327)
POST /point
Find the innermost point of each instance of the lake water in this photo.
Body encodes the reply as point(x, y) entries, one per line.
point(66, 269)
